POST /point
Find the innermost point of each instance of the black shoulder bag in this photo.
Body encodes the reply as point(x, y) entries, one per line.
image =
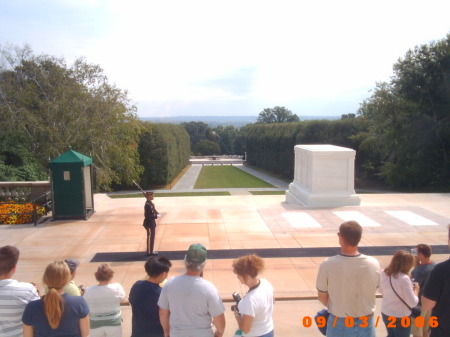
point(414, 311)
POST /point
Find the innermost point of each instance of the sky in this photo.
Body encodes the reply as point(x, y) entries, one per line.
point(233, 57)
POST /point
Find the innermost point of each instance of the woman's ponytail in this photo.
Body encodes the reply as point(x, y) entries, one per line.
point(56, 276)
point(53, 307)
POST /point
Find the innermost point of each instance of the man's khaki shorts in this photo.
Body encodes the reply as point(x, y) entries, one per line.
point(417, 332)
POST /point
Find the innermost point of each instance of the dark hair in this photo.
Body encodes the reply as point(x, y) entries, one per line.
point(401, 262)
point(250, 265)
point(157, 265)
point(424, 249)
point(351, 232)
point(9, 255)
point(104, 273)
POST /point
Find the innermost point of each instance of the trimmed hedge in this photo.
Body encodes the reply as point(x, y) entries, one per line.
point(271, 146)
point(164, 150)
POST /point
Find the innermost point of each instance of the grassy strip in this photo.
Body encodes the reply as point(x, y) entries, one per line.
point(176, 194)
point(270, 174)
point(192, 194)
point(268, 192)
point(227, 177)
point(119, 196)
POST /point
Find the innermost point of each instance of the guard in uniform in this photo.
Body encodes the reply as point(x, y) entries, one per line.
point(151, 214)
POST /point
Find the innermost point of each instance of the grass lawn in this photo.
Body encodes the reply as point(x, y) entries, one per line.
point(175, 194)
point(268, 192)
point(227, 176)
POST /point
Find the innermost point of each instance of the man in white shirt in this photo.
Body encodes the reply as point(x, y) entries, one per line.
point(346, 285)
point(14, 295)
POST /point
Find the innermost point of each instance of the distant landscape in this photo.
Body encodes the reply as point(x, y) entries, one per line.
point(214, 121)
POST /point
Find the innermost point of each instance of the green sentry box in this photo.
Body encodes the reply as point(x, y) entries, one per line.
point(72, 188)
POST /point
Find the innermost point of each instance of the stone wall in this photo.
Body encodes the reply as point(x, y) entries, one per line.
point(24, 190)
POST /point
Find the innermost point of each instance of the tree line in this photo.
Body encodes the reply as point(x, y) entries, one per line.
point(409, 119)
point(228, 140)
point(401, 132)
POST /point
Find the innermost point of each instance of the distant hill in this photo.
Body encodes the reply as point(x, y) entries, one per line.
point(214, 121)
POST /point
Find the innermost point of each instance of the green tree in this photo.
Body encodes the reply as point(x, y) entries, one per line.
point(410, 118)
point(226, 137)
point(239, 141)
point(164, 151)
point(348, 116)
point(17, 162)
point(199, 131)
point(206, 148)
point(58, 107)
point(277, 115)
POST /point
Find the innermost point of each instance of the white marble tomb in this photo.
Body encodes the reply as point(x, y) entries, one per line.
point(323, 177)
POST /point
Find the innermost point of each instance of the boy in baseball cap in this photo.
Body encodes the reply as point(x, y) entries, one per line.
point(71, 288)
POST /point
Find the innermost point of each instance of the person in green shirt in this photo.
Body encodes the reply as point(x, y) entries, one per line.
point(71, 288)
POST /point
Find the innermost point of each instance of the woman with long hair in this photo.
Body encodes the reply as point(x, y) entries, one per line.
point(56, 314)
point(254, 312)
point(104, 304)
point(399, 294)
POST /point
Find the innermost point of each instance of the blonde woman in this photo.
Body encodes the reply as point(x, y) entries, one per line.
point(399, 294)
point(254, 314)
point(104, 304)
point(56, 314)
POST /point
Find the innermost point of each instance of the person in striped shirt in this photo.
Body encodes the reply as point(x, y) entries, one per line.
point(14, 295)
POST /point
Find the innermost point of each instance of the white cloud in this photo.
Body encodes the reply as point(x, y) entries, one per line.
point(251, 54)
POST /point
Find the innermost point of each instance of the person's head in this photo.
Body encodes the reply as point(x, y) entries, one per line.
point(424, 249)
point(195, 258)
point(104, 273)
point(350, 232)
point(149, 195)
point(248, 266)
point(156, 266)
point(9, 255)
point(401, 262)
point(56, 276)
point(73, 265)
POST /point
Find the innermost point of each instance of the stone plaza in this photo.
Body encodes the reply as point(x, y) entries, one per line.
point(241, 221)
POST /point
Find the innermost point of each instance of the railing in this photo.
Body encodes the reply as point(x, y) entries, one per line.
point(217, 160)
point(21, 212)
point(22, 190)
point(215, 157)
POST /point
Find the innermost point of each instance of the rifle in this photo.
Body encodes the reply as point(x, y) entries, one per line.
point(143, 192)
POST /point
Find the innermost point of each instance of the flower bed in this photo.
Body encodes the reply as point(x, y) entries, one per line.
point(13, 212)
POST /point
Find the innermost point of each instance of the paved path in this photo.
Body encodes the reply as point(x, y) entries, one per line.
point(187, 181)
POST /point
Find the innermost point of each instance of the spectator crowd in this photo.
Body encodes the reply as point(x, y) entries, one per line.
point(187, 305)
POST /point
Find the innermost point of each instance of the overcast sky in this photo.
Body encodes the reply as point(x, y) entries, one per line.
point(231, 57)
